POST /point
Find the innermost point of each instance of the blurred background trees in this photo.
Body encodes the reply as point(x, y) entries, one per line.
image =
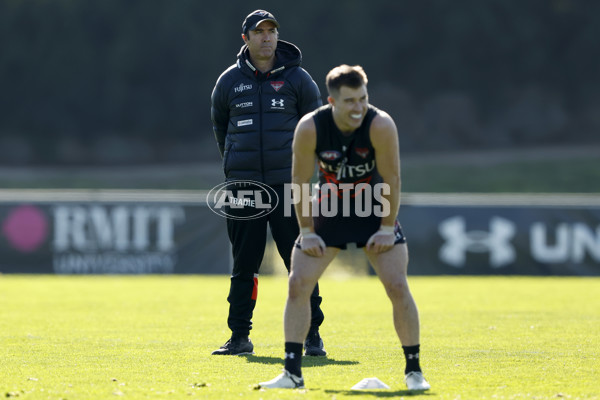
point(94, 82)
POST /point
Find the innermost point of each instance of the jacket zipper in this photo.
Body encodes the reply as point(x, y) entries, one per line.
point(260, 131)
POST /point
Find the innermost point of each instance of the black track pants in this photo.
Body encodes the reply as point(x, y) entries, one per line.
point(248, 239)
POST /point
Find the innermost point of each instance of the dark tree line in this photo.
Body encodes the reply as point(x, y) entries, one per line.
point(129, 80)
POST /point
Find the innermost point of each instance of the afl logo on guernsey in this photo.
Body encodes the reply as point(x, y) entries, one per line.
point(330, 155)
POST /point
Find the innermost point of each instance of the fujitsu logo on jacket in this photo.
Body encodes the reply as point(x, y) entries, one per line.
point(241, 87)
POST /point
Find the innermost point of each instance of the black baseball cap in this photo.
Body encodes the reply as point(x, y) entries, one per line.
point(255, 18)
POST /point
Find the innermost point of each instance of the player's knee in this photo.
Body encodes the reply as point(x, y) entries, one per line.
point(397, 289)
point(299, 286)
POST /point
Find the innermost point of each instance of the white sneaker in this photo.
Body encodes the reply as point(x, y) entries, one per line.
point(415, 381)
point(284, 381)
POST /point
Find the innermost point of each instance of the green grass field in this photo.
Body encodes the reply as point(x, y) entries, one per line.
point(104, 337)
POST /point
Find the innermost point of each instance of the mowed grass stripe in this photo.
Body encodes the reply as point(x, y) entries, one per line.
point(87, 337)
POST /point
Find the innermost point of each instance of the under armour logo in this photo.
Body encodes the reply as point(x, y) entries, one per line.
point(459, 241)
point(277, 103)
point(290, 356)
point(413, 356)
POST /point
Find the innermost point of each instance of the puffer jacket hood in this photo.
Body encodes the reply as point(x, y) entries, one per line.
point(287, 55)
point(254, 115)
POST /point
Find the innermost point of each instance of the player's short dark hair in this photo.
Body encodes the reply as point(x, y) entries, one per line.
point(345, 75)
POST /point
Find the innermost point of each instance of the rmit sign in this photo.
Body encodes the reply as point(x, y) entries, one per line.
point(119, 228)
point(119, 238)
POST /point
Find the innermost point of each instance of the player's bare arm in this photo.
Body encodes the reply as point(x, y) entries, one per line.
point(384, 137)
point(303, 162)
point(303, 166)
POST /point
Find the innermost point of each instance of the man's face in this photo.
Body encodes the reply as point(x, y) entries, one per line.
point(350, 106)
point(262, 41)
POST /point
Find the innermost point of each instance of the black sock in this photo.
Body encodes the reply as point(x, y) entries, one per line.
point(293, 358)
point(411, 353)
point(239, 336)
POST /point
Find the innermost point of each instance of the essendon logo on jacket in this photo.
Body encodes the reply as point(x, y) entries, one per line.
point(277, 85)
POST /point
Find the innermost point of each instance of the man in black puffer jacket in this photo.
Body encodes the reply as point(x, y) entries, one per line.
point(256, 104)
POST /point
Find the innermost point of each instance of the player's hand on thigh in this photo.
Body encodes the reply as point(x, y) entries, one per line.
point(312, 244)
point(382, 240)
